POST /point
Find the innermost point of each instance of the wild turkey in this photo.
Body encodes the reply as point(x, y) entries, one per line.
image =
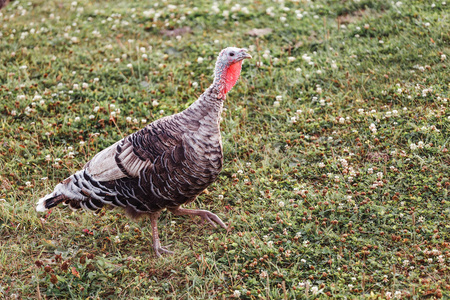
point(164, 165)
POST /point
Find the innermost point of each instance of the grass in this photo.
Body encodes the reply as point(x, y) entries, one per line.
point(320, 202)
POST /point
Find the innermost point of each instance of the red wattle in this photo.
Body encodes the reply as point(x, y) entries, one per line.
point(232, 75)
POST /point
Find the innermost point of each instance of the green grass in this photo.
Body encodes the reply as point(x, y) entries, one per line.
point(319, 204)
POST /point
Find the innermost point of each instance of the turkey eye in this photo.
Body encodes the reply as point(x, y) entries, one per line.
point(232, 54)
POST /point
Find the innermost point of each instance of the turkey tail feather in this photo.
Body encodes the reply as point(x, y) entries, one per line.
point(49, 201)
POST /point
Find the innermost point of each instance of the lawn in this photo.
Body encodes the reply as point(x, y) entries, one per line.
point(336, 170)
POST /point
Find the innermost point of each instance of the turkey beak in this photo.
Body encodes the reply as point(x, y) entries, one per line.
point(243, 53)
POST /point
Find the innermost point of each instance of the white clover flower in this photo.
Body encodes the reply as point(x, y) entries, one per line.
point(369, 171)
point(128, 119)
point(129, 66)
point(200, 60)
point(236, 294)
point(270, 244)
point(291, 58)
point(420, 145)
point(82, 143)
point(195, 84)
point(91, 117)
point(143, 121)
point(76, 86)
point(96, 108)
point(443, 57)
point(315, 290)
point(144, 56)
point(281, 204)
point(421, 219)
point(77, 119)
point(276, 103)
point(279, 98)
point(341, 120)
point(220, 197)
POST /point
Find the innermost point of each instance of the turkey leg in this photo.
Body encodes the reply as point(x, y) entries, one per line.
point(155, 236)
point(204, 214)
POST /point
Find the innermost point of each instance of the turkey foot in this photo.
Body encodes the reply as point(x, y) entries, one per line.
point(155, 237)
point(204, 214)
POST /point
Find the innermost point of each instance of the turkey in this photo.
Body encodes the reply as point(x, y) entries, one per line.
point(164, 165)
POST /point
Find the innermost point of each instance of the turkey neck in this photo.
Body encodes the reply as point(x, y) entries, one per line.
point(206, 110)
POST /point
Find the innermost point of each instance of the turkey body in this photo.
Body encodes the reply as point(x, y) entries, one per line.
point(164, 165)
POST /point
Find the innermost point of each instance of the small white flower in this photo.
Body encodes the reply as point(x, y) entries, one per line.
point(91, 117)
point(236, 294)
point(155, 103)
point(96, 108)
point(116, 239)
point(276, 104)
point(143, 121)
point(128, 119)
point(129, 66)
point(315, 290)
point(281, 204)
point(200, 60)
